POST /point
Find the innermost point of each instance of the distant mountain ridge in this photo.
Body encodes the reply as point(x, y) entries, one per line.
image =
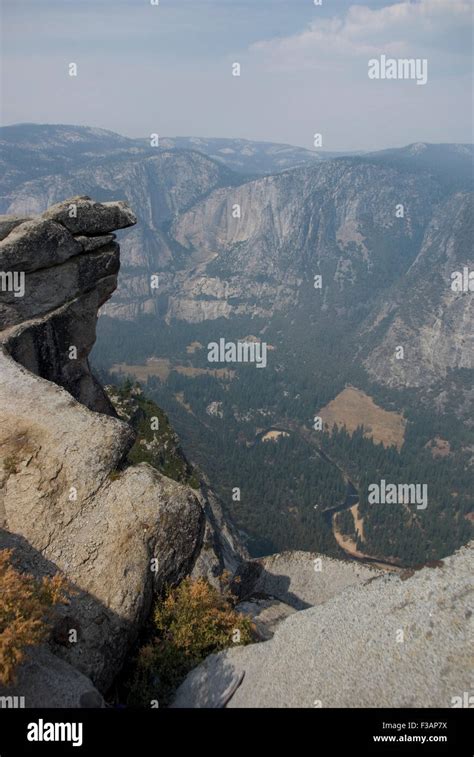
point(32, 150)
point(333, 217)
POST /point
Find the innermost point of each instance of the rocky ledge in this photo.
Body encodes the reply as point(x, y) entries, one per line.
point(390, 641)
point(67, 502)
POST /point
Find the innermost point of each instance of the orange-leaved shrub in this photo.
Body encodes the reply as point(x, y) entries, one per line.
point(26, 610)
point(192, 621)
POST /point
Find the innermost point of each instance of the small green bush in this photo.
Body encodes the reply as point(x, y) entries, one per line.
point(193, 621)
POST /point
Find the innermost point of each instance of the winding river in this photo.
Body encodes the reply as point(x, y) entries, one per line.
point(351, 498)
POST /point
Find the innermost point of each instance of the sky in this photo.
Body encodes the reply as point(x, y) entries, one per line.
point(167, 69)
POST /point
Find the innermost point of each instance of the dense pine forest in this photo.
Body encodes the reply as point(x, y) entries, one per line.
point(276, 491)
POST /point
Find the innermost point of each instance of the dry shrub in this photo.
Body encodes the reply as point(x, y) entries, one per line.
point(26, 610)
point(194, 620)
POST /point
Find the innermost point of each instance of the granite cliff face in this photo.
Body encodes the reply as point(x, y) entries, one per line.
point(283, 230)
point(384, 240)
point(67, 502)
point(434, 322)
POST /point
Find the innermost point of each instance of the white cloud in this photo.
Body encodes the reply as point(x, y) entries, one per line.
point(173, 76)
point(438, 27)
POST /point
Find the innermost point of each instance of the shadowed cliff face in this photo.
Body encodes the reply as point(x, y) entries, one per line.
point(118, 533)
point(67, 263)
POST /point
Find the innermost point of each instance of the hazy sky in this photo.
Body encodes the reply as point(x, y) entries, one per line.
point(304, 68)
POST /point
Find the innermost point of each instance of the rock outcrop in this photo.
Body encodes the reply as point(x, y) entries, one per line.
point(67, 501)
point(273, 588)
point(302, 579)
point(221, 549)
point(65, 266)
point(46, 680)
point(387, 643)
